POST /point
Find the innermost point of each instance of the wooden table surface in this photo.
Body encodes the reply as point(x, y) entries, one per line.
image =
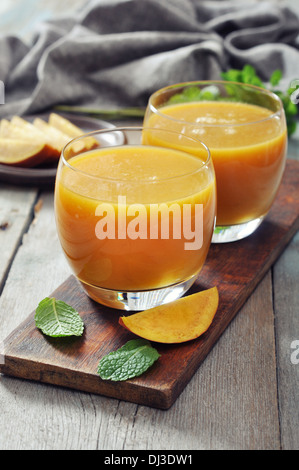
point(245, 395)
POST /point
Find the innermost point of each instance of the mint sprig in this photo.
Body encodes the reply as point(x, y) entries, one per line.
point(56, 318)
point(193, 93)
point(131, 360)
point(249, 76)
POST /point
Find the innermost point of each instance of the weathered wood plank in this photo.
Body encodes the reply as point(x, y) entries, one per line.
point(226, 405)
point(38, 264)
point(231, 402)
point(218, 409)
point(16, 211)
point(29, 355)
point(286, 301)
point(50, 417)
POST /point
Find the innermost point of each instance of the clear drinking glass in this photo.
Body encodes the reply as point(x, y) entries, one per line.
point(245, 129)
point(134, 215)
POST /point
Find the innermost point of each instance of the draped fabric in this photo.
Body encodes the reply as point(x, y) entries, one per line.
point(115, 53)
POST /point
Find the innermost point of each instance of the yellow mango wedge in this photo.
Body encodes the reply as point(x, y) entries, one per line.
point(22, 153)
point(176, 322)
point(59, 139)
point(35, 134)
point(64, 125)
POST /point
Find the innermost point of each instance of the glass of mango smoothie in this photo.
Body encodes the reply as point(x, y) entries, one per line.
point(134, 217)
point(245, 129)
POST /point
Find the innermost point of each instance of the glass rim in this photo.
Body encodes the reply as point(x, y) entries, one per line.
point(204, 163)
point(270, 93)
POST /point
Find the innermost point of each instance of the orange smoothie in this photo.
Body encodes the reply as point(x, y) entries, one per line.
point(247, 147)
point(104, 203)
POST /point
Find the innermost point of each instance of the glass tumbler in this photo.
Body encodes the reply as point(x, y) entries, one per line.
point(245, 129)
point(135, 214)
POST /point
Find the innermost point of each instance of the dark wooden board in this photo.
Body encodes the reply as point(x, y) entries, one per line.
point(236, 268)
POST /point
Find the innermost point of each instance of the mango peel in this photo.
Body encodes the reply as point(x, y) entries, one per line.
point(181, 320)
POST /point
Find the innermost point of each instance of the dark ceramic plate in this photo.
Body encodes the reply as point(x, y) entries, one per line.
point(43, 177)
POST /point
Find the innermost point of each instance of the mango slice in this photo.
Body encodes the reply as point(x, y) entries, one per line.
point(11, 131)
point(67, 127)
point(181, 320)
point(27, 126)
point(64, 125)
point(22, 153)
point(28, 144)
point(33, 133)
point(59, 139)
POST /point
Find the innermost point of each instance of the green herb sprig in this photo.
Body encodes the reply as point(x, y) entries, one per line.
point(249, 76)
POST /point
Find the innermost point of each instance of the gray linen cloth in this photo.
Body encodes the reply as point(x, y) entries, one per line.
point(115, 53)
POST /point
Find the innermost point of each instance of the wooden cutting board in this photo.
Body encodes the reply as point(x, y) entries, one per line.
point(236, 268)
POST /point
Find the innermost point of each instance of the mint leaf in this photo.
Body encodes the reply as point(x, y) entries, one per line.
point(232, 75)
point(194, 93)
point(276, 77)
point(131, 360)
point(56, 318)
point(188, 94)
point(248, 75)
